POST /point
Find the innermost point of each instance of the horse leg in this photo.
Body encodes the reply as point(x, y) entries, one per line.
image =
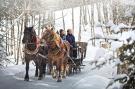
point(49, 67)
point(58, 68)
point(27, 71)
point(64, 72)
point(44, 68)
point(64, 69)
point(70, 69)
point(36, 71)
point(54, 72)
point(40, 72)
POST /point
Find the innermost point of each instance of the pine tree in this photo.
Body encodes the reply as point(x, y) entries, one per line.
point(127, 56)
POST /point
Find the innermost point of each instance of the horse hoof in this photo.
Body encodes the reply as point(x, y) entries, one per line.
point(59, 80)
point(26, 79)
point(54, 77)
point(36, 75)
point(39, 78)
point(63, 76)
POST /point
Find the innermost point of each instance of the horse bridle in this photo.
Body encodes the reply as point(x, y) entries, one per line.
point(31, 52)
point(26, 49)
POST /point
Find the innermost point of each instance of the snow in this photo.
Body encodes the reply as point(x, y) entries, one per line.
point(118, 28)
point(100, 52)
point(116, 78)
point(98, 24)
point(96, 53)
point(115, 28)
point(13, 70)
point(129, 2)
point(111, 37)
point(123, 39)
point(110, 23)
point(90, 82)
point(121, 25)
point(98, 35)
point(128, 13)
point(120, 76)
point(126, 35)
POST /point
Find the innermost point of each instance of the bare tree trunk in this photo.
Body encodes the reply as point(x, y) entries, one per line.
point(103, 20)
point(34, 19)
point(133, 21)
point(85, 22)
point(8, 41)
point(39, 25)
point(98, 10)
point(26, 20)
point(18, 40)
point(14, 45)
point(92, 24)
point(80, 27)
point(21, 52)
point(63, 20)
point(43, 22)
point(115, 12)
point(11, 36)
point(105, 12)
point(53, 18)
point(6, 36)
point(73, 19)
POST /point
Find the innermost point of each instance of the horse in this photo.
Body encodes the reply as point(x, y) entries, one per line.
point(58, 53)
point(32, 52)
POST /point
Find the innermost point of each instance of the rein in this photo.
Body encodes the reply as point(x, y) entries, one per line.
point(42, 55)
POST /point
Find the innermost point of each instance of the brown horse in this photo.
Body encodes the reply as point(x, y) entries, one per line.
point(58, 53)
point(32, 52)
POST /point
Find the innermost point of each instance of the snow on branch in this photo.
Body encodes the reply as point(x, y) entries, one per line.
point(100, 62)
point(121, 77)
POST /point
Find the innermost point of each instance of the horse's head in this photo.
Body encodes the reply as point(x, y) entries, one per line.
point(29, 35)
point(48, 34)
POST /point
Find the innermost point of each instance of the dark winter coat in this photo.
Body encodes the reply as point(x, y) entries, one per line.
point(71, 39)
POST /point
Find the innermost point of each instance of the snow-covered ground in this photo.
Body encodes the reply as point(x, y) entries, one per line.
point(87, 79)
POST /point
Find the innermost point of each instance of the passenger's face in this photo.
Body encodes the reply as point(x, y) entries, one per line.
point(69, 32)
point(63, 32)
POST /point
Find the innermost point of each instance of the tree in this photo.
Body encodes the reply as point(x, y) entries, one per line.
point(127, 56)
point(2, 51)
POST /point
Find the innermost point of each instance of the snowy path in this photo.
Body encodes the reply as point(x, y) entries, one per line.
point(87, 79)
